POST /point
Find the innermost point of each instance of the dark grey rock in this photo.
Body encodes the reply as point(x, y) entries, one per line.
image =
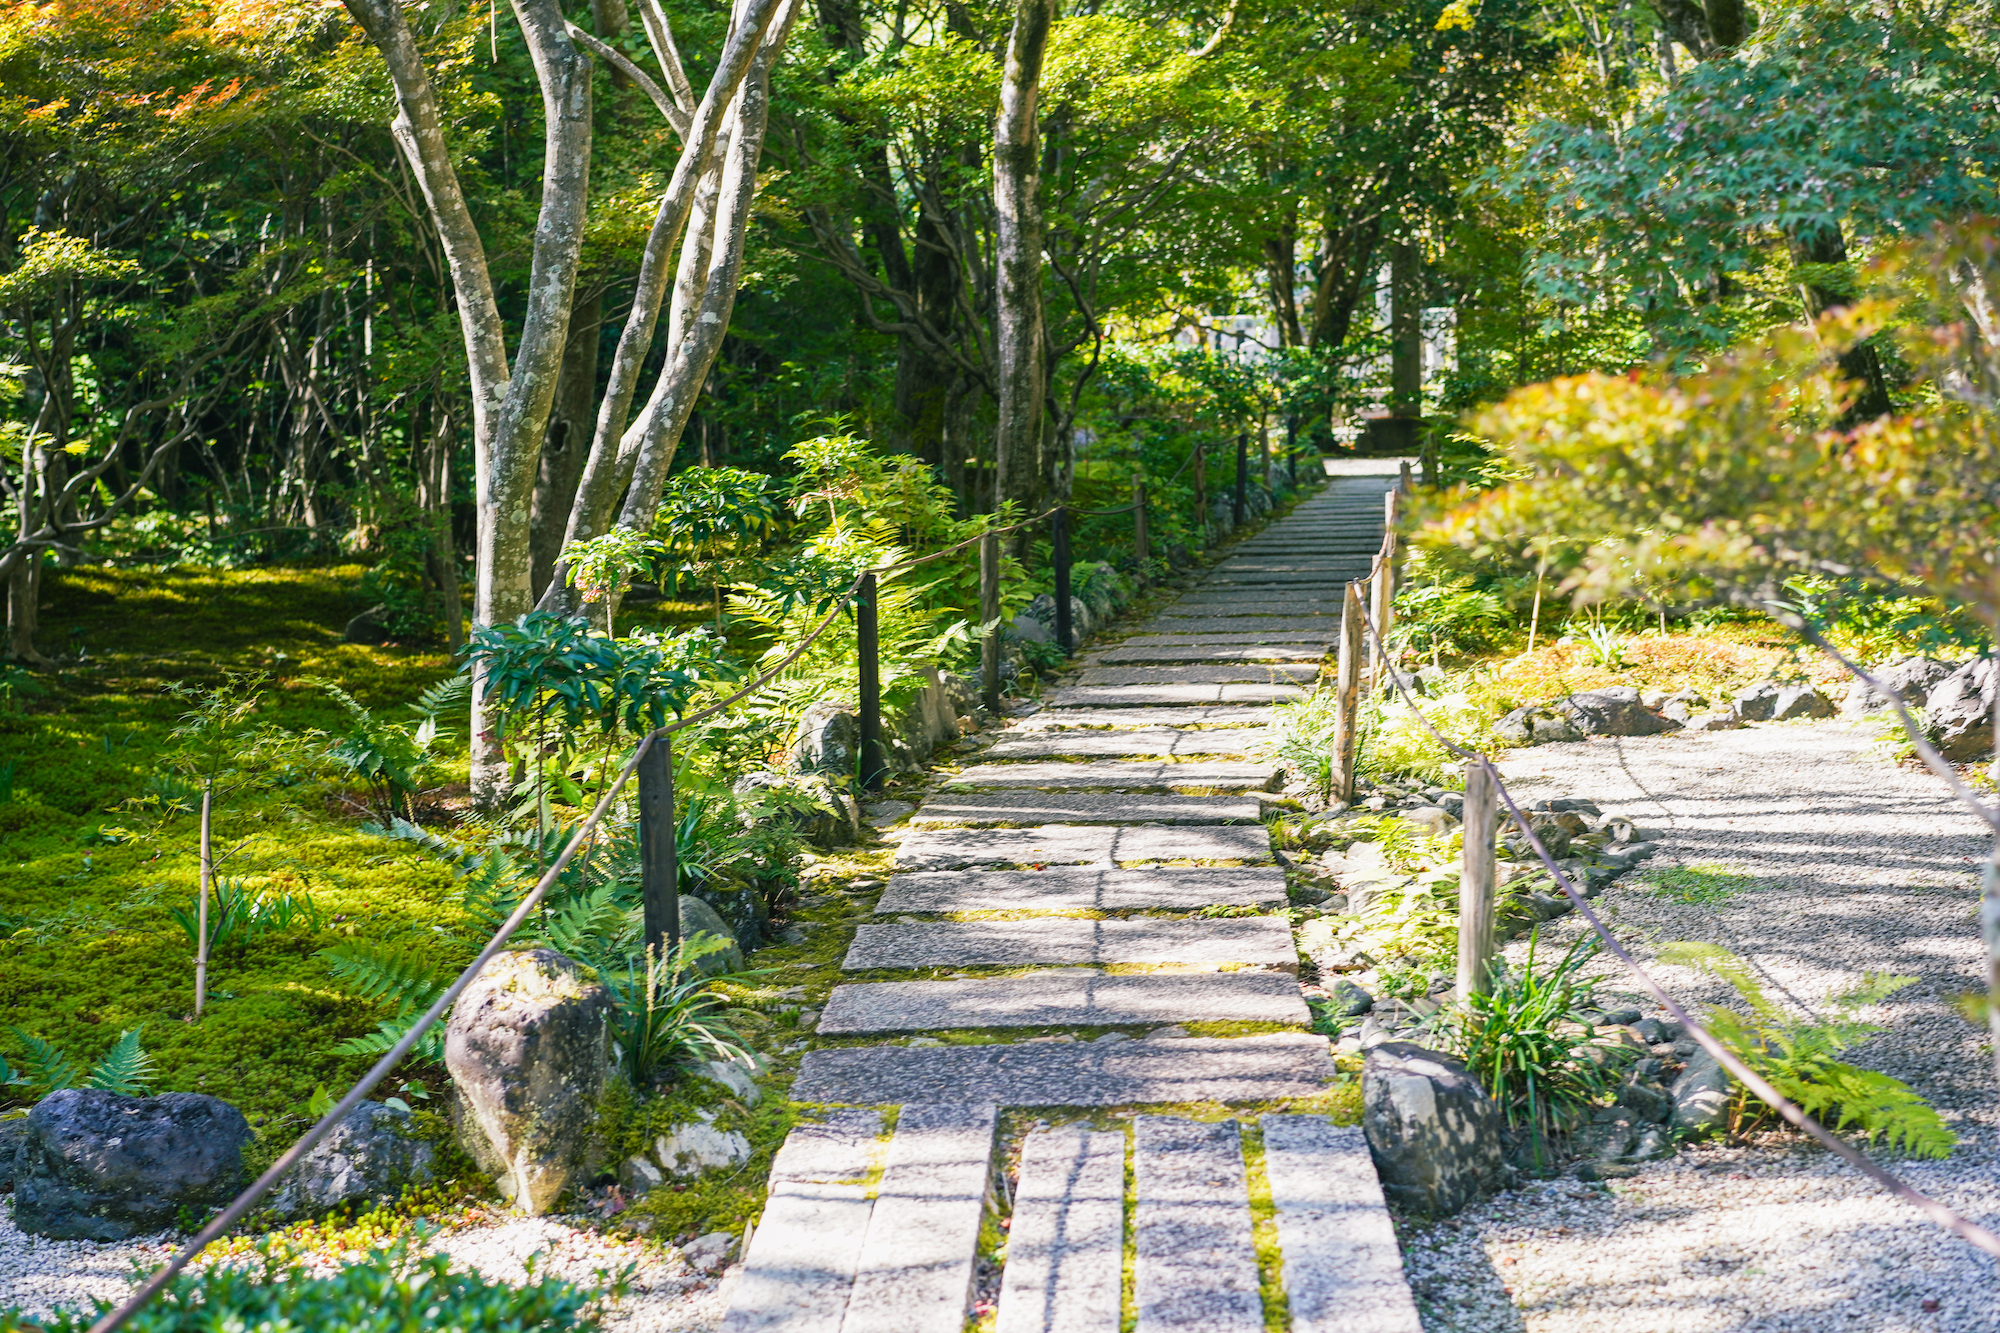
point(1958, 712)
point(1651, 1031)
point(11, 1134)
point(527, 1051)
point(1573, 805)
point(1349, 1000)
point(1614, 711)
point(828, 738)
point(371, 627)
point(1593, 1169)
point(1609, 1135)
point(1909, 679)
point(1535, 724)
point(699, 918)
point(373, 1155)
point(1651, 1104)
point(1654, 1143)
point(1433, 1131)
point(1757, 703)
point(1701, 1095)
point(97, 1166)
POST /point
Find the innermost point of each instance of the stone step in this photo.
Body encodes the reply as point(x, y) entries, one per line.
point(1066, 1243)
point(1034, 808)
point(1124, 673)
point(1243, 604)
point(1272, 1067)
point(1114, 744)
point(1139, 696)
point(1197, 620)
point(1258, 941)
point(1082, 844)
point(1108, 775)
point(1342, 1270)
point(1078, 998)
point(1285, 574)
point(1275, 636)
point(1194, 651)
point(1198, 715)
point(1079, 889)
point(916, 1268)
point(799, 1270)
point(1194, 1254)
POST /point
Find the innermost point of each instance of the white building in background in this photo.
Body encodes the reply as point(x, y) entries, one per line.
point(1247, 338)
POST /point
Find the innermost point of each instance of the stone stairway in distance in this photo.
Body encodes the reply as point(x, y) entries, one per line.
point(1056, 882)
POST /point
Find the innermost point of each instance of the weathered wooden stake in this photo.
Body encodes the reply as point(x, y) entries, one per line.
point(1384, 579)
point(989, 613)
point(1201, 491)
point(1237, 509)
point(1292, 448)
point(1141, 548)
point(1475, 883)
point(1065, 639)
point(659, 873)
point(867, 641)
point(1347, 697)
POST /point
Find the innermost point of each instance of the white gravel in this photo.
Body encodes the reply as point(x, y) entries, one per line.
point(666, 1295)
point(1860, 866)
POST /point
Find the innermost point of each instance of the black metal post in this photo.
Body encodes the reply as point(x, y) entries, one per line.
point(659, 875)
point(868, 647)
point(1237, 510)
point(989, 613)
point(1064, 639)
point(1141, 546)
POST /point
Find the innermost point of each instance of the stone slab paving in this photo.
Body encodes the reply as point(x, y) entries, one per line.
point(1077, 997)
point(1070, 844)
point(1119, 744)
point(1198, 715)
point(1082, 889)
point(1033, 808)
point(1125, 696)
point(1110, 775)
point(1283, 576)
point(1094, 1073)
point(1195, 651)
point(916, 1266)
point(1066, 1243)
point(1276, 634)
point(1245, 604)
point(1121, 673)
point(802, 1259)
point(1194, 622)
point(1195, 1259)
point(1342, 1270)
point(1262, 941)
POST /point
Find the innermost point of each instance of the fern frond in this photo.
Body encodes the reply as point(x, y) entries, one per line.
point(1719, 962)
point(48, 1069)
point(1886, 1108)
point(126, 1069)
point(392, 1030)
point(446, 696)
point(402, 830)
point(1875, 987)
point(377, 972)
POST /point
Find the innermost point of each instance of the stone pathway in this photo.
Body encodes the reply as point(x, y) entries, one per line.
point(1053, 884)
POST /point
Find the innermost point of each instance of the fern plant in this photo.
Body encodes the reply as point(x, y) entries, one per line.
point(402, 976)
point(126, 1069)
point(1796, 1056)
point(392, 758)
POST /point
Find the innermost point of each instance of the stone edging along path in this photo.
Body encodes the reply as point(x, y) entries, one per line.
point(1053, 886)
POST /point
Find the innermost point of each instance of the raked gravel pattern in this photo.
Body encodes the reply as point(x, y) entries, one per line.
point(1859, 865)
point(667, 1296)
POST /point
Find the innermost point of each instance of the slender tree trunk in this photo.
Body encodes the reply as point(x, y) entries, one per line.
point(1018, 336)
point(1281, 258)
point(568, 440)
point(201, 908)
point(1406, 344)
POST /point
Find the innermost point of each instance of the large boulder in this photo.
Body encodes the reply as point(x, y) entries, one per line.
point(1434, 1133)
point(371, 1156)
point(11, 1134)
point(528, 1053)
point(828, 739)
point(1909, 679)
point(95, 1165)
point(1958, 712)
point(1615, 710)
point(1781, 701)
point(1536, 724)
point(698, 918)
point(812, 804)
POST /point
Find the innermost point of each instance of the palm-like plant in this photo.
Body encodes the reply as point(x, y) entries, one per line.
point(667, 1012)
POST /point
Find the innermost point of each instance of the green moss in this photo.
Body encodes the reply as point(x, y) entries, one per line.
point(1264, 1231)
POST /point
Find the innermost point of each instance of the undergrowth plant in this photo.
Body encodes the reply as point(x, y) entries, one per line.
point(1700, 885)
point(1522, 1042)
point(238, 915)
point(1796, 1056)
point(393, 758)
point(668, 1013)
point(125, 1069)
point(1300, 736)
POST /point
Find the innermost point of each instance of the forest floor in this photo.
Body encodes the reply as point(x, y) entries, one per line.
point(1826, 860)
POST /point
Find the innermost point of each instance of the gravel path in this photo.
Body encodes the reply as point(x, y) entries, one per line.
point(667, 1296)
point(1859, 866)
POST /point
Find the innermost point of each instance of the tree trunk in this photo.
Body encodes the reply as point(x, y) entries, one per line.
point(1018, 337)
point(1824, 244)
point(568, 441)
point(1281, 259)
point(24, 611)
point(1345, 262)
point(1406, 342)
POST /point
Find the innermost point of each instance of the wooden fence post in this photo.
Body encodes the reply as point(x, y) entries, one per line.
point(1141, 548)
point(1059, 555)
point(1292, 448)
point(1201, 493)
point(1475, 883)
point(659, 873)
point(1347, 685)
point(1237, 510)
point(867, 641)
point(989, 613)
point(1384, 579)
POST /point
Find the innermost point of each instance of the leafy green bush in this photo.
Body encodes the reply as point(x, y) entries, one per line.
point(1796, 1056)
point(390, 1291)
point(1522, 1042)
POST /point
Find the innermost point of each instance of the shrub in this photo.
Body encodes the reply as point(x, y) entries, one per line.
point(388, 1292)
